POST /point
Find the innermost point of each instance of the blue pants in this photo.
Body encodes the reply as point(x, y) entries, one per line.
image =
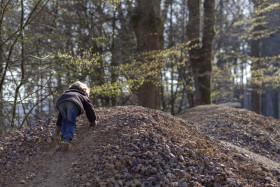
point(69, 112)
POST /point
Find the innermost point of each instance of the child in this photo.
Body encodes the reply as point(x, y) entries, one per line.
point(72, 103)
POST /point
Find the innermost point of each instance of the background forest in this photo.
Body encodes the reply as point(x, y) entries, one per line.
point(163, 54)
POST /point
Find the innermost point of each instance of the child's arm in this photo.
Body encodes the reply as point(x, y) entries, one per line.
point(90, 113)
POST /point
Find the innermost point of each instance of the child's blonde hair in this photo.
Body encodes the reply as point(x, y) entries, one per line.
point(82, 86)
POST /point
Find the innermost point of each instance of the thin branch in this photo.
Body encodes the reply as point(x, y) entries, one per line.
point(6, 5)
point(28, 21)
point(25, 117)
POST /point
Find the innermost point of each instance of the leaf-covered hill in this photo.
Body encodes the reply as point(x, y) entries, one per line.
point(241, 127)
point(132, 146)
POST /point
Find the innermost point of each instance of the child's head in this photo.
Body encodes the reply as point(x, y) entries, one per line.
point(82, 86)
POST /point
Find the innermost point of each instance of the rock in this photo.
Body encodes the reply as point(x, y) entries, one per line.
point(179, 173)
point(137, 182)
point(152, 171)
point(49, 140)
point(102, 183)
point(184, 184)
point(268, 180)
point(120, 182)
point(169, 175)
point(118, 165)
point(29, 139)
point(181, 158)
point(109, 166)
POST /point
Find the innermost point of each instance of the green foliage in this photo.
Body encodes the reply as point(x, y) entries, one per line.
point(74, 40)
point(138, 69)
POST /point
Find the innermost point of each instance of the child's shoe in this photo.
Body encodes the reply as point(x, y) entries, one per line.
point(66, 146)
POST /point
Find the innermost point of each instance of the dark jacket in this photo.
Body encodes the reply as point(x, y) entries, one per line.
point(78, 96)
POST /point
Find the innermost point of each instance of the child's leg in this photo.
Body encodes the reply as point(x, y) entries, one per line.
point(72, 113)
point(63, 129)
point(63, 112)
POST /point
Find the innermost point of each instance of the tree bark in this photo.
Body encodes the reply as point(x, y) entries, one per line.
point(17, 93)
point(1, 66)
point(255, 82)
point(148, 28)
point(200, 54)
point(256, 64)
point(114, 74)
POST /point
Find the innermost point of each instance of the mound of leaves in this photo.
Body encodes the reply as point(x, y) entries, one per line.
point(241, 127)
point(131, 146)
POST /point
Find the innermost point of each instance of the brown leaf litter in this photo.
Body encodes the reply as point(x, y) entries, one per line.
point(240, 127)
point(131, 146)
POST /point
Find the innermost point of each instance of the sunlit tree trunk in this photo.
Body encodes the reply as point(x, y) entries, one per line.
point(170, 44)
point(200, 53)
point(148, 27)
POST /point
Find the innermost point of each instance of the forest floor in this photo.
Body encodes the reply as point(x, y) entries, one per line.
point(240, 127)
point(207, 145)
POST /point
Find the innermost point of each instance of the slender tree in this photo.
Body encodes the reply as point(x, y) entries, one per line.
point(21, 82)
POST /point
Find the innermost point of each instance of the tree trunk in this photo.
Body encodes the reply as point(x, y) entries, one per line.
point(256, 64)
point(200, 53)
point(1, 69)
point(114, 74)
point(255, 82)
point(17, 92)
point(148, 28)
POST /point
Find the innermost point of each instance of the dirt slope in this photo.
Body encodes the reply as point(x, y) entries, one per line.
point(132, 146)
point(241, 127)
